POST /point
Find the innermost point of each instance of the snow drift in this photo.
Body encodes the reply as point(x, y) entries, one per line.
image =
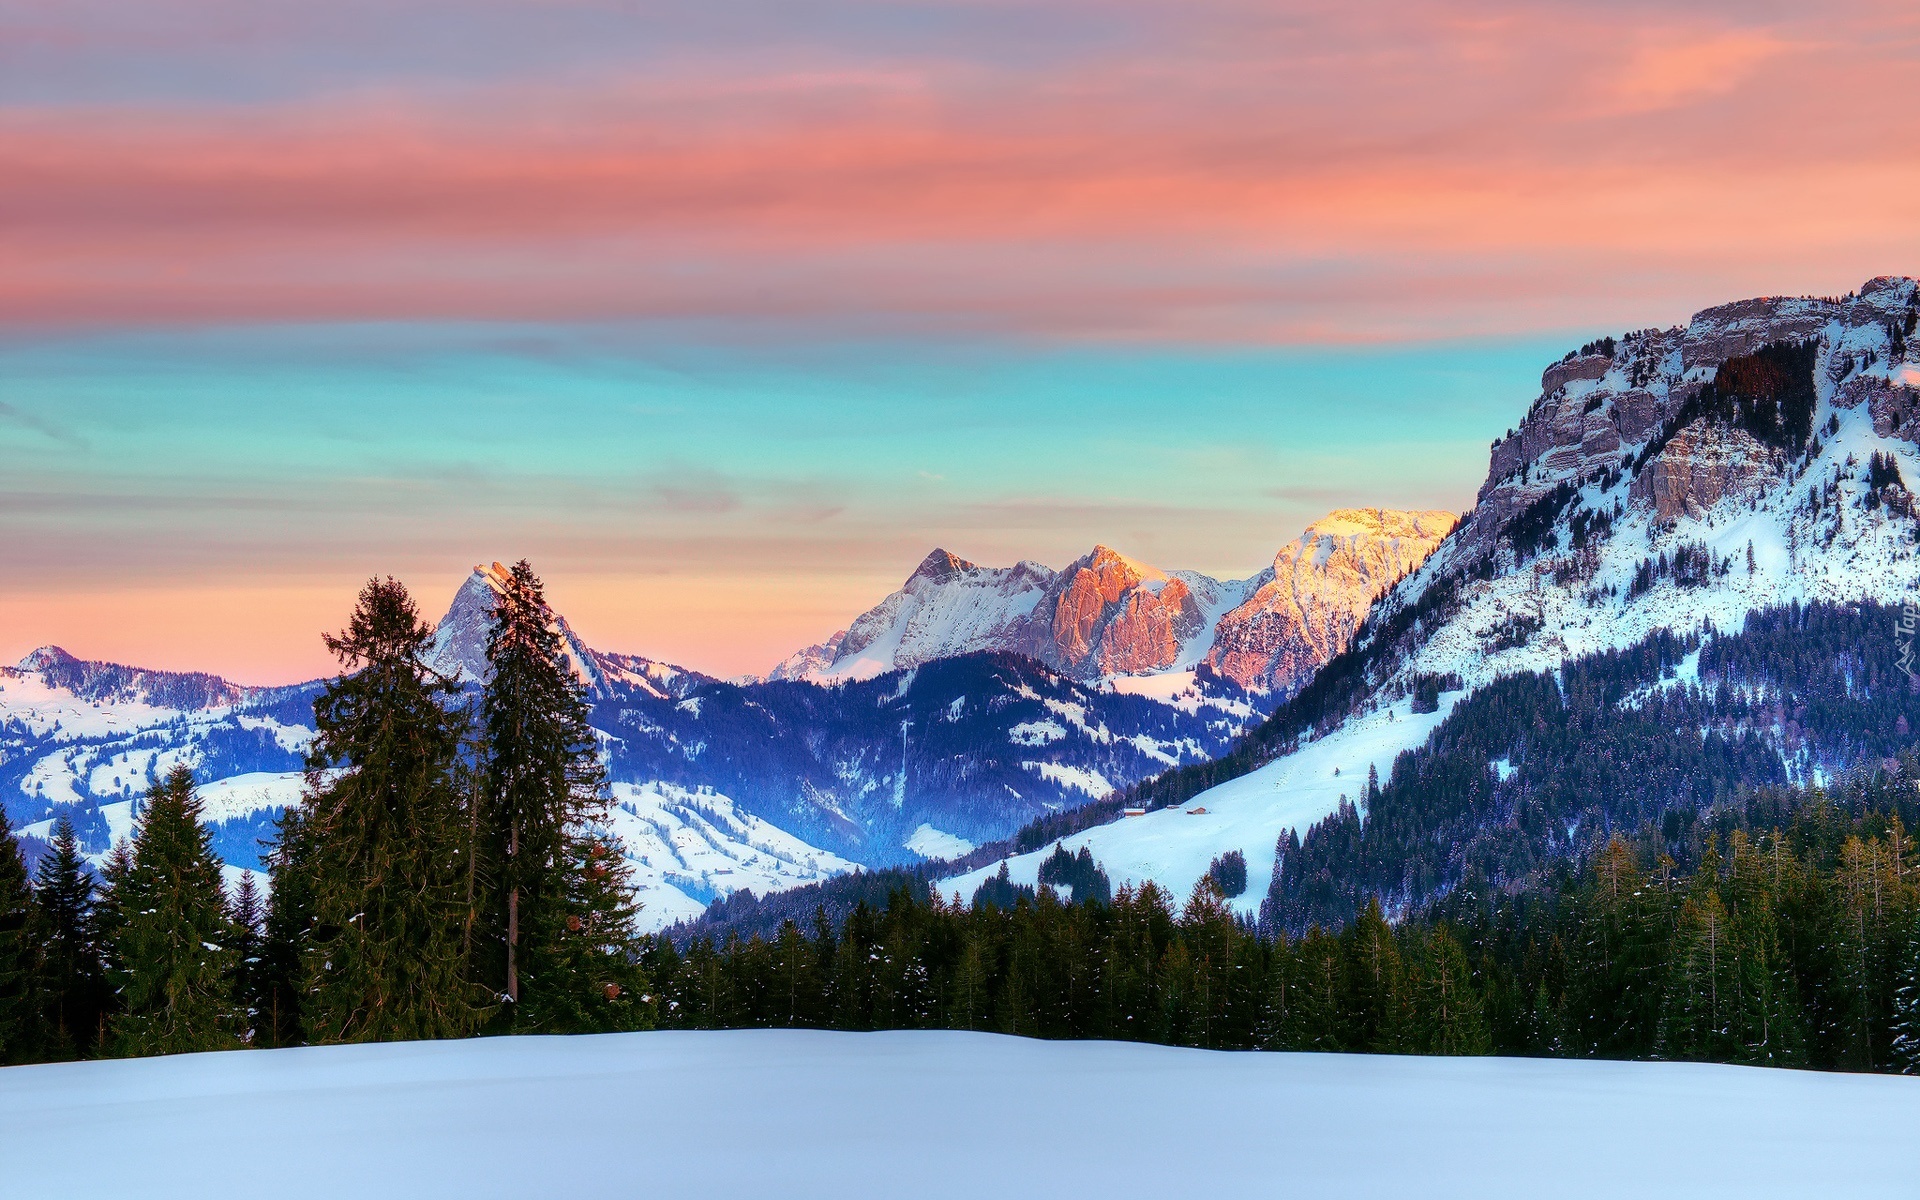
point(801, 1114)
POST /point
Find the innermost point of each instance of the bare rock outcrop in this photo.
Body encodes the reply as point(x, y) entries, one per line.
point(1306, 607)
point(1702, 465)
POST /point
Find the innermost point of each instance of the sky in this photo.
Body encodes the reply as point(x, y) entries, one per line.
point(725, 313)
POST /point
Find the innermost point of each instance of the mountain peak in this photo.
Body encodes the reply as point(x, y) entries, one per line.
point(1105, 560)
point(939, 566)
point(495, 576)
point(44, 658)
point(1383, 522)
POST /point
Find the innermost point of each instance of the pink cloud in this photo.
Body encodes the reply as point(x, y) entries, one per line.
point(1258, 174)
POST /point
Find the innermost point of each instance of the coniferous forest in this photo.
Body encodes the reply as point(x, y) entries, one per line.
point(449, 874)
point(452, 874)
point(1795, 944)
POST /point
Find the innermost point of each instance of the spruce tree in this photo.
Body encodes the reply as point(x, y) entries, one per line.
point(1767, 1022)
point(1316, 999)
point(248, 917)
point(1450, 1016)
point(173, 943)
point(1377, 1014)
point(1905, 1052)
point(19, 1003)
point(107, 921)
point(381, 851)
point(1703, 983)
point(561, 942)
point(278, 981)
point(72, 988)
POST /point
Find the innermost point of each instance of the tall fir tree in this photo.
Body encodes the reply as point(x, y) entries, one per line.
point(1905, 1052)
point(1449, 1013)
point(248, 916)
point(1378, 1004)
point(382, 849)
point(1315, 997)
point(173, 945)
point(1767, 1022)
point(19, 960)
point(72, 988)
point(108, 919)
point(559, 938)
point(278, 981)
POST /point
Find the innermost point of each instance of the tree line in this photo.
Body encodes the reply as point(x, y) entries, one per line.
point(450, 871)
point(1796, 947)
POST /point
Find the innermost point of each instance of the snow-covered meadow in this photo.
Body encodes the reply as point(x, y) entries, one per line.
point(782, 1113)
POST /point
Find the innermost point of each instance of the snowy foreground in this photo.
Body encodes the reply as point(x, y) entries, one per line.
point(802, 1114)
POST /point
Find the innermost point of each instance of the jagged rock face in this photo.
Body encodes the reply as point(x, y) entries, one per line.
point(1595, 411)
point(1701, 466)
point(1114, 616)
point(1731, 330)
point(1091, 588)
point(947, 606)
point(1148, 631)
point(1306, 607)
point(1766, 445)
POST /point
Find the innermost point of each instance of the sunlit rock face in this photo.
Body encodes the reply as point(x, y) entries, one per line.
point(1304, 609)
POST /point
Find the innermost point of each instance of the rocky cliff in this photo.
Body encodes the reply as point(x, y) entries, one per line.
point(1305, 607)
point(1743, 440)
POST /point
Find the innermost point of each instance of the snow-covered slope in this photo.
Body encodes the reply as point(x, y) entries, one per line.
point(688, 847)
point(1668, 480)
point(1174, 846)
point(804, 1114)
point(1107, 616)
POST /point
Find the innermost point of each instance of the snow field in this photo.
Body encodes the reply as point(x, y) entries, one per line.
point(1175, 846)
point(689, 846)
point(796, 1114)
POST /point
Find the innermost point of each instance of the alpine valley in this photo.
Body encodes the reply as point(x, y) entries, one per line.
point(961, 708)
point(1682, 584)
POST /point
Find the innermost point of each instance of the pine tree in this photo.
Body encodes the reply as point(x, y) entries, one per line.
point(106, 926)
point(1307, 1014)
point(382, 848)
point(1703, 983)
point(561, 911)
point(1450, 1015)
point(1377, 1011)
point(19, 962)
point(278, 980)
point(72, 988)
point(173, 945)
point(1767, 1022)
point(1857, 928)
point(248, 917)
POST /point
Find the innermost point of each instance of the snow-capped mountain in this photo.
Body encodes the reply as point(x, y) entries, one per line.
point(1303, 610)
point(717, 786)
point(1712, 521)
point(1106, 615)
point(459, 647)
